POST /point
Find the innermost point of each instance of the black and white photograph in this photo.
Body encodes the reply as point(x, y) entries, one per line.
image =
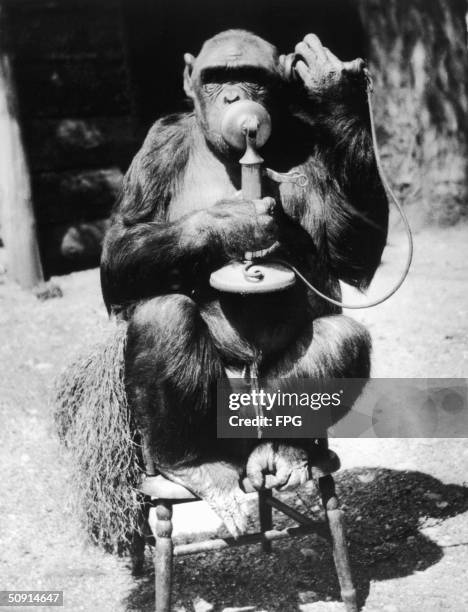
point(234, 305)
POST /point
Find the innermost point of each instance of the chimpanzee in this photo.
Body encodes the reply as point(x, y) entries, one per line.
point(180, 217)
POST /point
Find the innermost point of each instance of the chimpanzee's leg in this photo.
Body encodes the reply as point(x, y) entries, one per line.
point(171, 368)
point(333, 347)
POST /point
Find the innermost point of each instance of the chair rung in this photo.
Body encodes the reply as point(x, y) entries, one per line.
point(251, 538)
point(300, 518)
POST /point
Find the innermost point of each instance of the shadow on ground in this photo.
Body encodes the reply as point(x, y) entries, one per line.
point(385, 511)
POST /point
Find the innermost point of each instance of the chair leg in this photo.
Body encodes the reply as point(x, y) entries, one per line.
point(163, 556)
point(340, 550)
point(266, 521)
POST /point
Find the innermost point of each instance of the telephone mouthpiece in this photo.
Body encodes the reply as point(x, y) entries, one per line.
point(246, 117)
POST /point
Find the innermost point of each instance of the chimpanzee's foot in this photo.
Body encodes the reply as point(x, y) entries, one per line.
point(217, 483)
point(278, 465)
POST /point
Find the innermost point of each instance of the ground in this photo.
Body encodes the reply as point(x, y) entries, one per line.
point(406, 500)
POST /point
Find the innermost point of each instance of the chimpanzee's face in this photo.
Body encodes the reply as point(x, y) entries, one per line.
point(231, 71)
point(219, 88)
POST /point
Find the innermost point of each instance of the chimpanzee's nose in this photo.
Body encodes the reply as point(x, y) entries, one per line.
point(231, 96)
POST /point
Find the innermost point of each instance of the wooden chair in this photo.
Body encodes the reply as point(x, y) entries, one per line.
point(164, 494)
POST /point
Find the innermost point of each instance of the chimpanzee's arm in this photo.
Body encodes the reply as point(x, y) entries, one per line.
point(343, 172)
point(354, 201)
point(145, 254)
point(155, 257)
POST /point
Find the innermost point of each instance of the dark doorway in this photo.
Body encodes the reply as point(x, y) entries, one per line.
point(159, 32)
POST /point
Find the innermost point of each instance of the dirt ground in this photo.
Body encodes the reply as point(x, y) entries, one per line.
point(406, 501)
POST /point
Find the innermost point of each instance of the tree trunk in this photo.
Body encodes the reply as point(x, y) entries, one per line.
point(18, 223)
point(419, 61)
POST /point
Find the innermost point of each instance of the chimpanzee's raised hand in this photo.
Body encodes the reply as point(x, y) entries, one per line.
point(321, 72)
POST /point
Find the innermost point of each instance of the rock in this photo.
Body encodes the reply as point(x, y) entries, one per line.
point(201, 605)
point(47, 291)
point(308, 596)
point(366, 478)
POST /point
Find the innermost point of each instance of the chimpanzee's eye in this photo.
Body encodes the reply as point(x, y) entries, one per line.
point(211, 88)
point(256, 88)
point(256, 81)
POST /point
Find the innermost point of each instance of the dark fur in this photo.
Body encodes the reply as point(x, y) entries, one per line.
point(182, 334)
point(344, 210)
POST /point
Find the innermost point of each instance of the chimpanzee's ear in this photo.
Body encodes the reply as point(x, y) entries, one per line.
point(188, 86)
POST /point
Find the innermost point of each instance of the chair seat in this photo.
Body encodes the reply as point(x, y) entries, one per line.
point(159, 487)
